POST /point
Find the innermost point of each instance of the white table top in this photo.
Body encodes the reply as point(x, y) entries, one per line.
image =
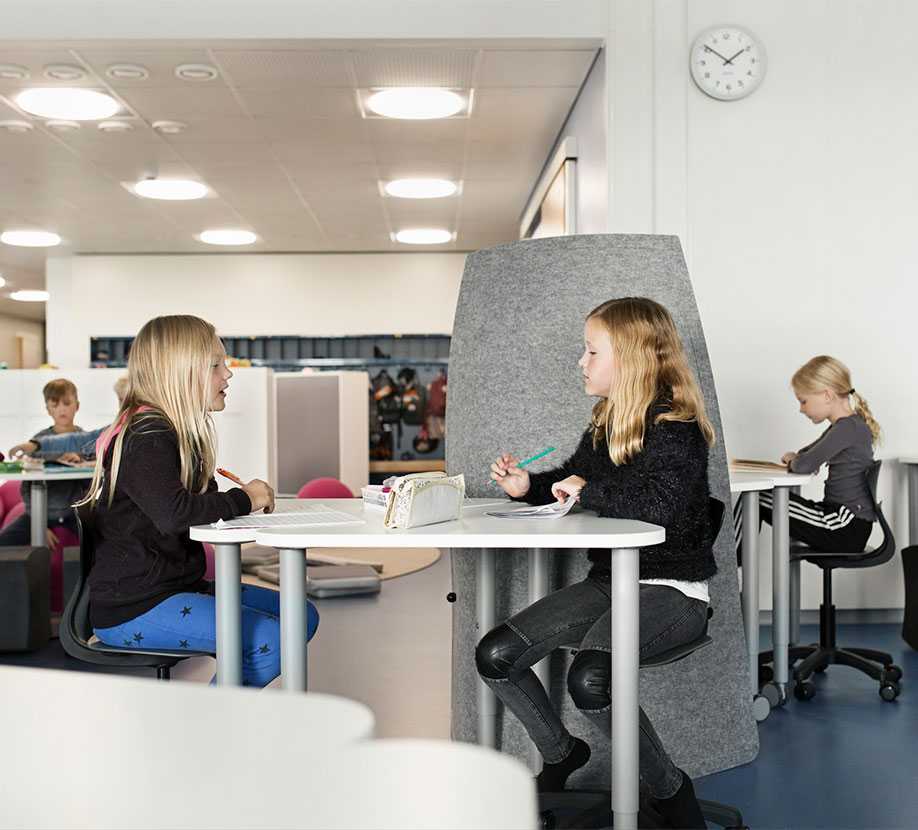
point(41, 475)
point(743, 482)
point(474, 530)
point(909, 459)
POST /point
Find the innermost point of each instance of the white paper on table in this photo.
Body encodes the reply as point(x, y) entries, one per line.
point(555, 510)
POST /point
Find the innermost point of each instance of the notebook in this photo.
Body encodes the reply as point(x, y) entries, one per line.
point(555, 510)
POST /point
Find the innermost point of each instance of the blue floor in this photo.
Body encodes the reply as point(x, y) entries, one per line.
point(845, 759)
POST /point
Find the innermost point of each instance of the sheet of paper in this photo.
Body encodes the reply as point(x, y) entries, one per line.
point(555, 510)
point(307, 515)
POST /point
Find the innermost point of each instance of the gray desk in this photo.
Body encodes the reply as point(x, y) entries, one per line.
point(477, 530)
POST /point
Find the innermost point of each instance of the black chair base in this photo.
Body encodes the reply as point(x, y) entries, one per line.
point(591, 809)
point(875, 664)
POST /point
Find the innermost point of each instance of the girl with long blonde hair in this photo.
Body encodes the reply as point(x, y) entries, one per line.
point(153, 480)
point(843, 520)
point(643, 456)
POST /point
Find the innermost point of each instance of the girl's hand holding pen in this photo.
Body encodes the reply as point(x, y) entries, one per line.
point(261, 494)
point(509, 477)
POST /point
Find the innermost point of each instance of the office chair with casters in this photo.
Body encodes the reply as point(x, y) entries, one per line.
point(76, 633)
point(590, 808)
point(816, 658)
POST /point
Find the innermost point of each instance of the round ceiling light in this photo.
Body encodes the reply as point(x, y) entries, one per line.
point(59, 125)
point(2, 282)
point(127, 72)
point(30, 296)
point(415, 102)
point(115, 126)
point(424, 236)
point(30, 239)
point(169, 127)
point(420, 188)
point(13, 72)
point(68, 103)
point(172, 189)
point(227, 236)
point(64, 72)
point(196, 72)
point(14, 125)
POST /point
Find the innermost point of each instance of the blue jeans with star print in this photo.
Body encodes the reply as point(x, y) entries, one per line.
point(189, 620)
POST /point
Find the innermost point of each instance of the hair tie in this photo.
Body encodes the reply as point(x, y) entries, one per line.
point(851, 391)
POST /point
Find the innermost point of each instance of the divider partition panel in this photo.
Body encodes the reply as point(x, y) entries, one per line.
point(515, 386)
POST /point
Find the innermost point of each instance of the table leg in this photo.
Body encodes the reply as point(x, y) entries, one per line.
point(751, 583)
point(794, 628)
point(781, 587)
point(625, 668)
point(484, 603)
point(228, 590)
point(538, 588)
point(39, 511)
point(293, 618)
point(912, 503)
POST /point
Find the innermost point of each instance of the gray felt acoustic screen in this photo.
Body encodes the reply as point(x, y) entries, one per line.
point(514, 385)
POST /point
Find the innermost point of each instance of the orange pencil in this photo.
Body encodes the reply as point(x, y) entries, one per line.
point(231, 476)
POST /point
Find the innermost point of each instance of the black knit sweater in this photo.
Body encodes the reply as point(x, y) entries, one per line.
point(665, 484)
point(143, 551)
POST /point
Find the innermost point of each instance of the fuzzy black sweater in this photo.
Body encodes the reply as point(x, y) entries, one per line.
point(666, 484)
point(143, 551)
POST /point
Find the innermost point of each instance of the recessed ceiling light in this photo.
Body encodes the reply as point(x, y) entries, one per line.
point(30, 239)
point(415, 102)
point(196, 72)
point(14, 125)
point(169, 127)
point(2, 282)
point(127, 72)
point(172, 189)
point(420, 188)
point(30, 296)
point(64, 72)
point(227, 236)
point(423, 236)
point(115, 126)
point(70, 103)
point(59, 125)
point(13, 72)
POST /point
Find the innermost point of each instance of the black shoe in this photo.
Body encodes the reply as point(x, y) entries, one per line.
point(553, 777)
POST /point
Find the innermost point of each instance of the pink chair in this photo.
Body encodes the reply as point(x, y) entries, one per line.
point(10, 495)
point(66, 538)
point(12, 514)
point(324, 488)
point(209, 556)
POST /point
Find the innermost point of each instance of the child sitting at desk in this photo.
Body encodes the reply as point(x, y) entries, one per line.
point(843, 520)
point(62, 403)
point(644, 456)
point(153, 480)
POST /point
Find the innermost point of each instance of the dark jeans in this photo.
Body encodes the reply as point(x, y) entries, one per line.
point(18, 533)
point(579, 616)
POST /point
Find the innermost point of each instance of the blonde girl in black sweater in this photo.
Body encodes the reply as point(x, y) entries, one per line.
point(643, 456)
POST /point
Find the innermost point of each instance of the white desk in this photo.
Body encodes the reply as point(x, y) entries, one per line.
point(148, 754)
point(911, 466)
point(476, 530)
point(782, 599)
point(39, 510)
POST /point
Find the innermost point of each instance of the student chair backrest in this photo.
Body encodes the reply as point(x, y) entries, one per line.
point(324, 488)
point(12, 514)
point(515, 385)
point(75, 626)
point(10, 494)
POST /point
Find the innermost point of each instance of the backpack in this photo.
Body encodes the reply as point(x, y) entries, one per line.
point(436, 399)
point(413, 405)
point(388, 402)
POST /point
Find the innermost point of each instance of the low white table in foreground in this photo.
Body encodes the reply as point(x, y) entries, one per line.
point(477, 530)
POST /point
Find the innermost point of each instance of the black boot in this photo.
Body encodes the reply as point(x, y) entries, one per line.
point(553, 777)
point(682, 810)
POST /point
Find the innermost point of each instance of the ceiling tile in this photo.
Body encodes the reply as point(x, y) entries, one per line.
point(541, 68)
point(182, 103)
point(160, 63)
point(415, 67)
point(277, 68)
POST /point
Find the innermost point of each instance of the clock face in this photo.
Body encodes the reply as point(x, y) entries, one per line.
point(727, 62)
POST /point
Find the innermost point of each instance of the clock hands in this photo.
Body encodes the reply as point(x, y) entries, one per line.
point(734, 57)
point(725, 60)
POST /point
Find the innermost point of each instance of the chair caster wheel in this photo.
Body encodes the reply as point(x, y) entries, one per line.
point(893, 673)
point(804, 690)
point(547, 820)
point(820, 669)
point(889, 691)
point(773, 695)
point(761, 708)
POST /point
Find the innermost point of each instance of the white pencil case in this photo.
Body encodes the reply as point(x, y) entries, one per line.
point(424, 499)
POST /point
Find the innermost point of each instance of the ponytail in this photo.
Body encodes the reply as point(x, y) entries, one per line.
point(861, 408)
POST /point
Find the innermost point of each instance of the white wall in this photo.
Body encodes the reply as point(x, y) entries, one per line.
point(295, 294)
point(11, 328)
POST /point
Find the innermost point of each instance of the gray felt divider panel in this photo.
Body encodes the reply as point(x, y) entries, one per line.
point(514, 385)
